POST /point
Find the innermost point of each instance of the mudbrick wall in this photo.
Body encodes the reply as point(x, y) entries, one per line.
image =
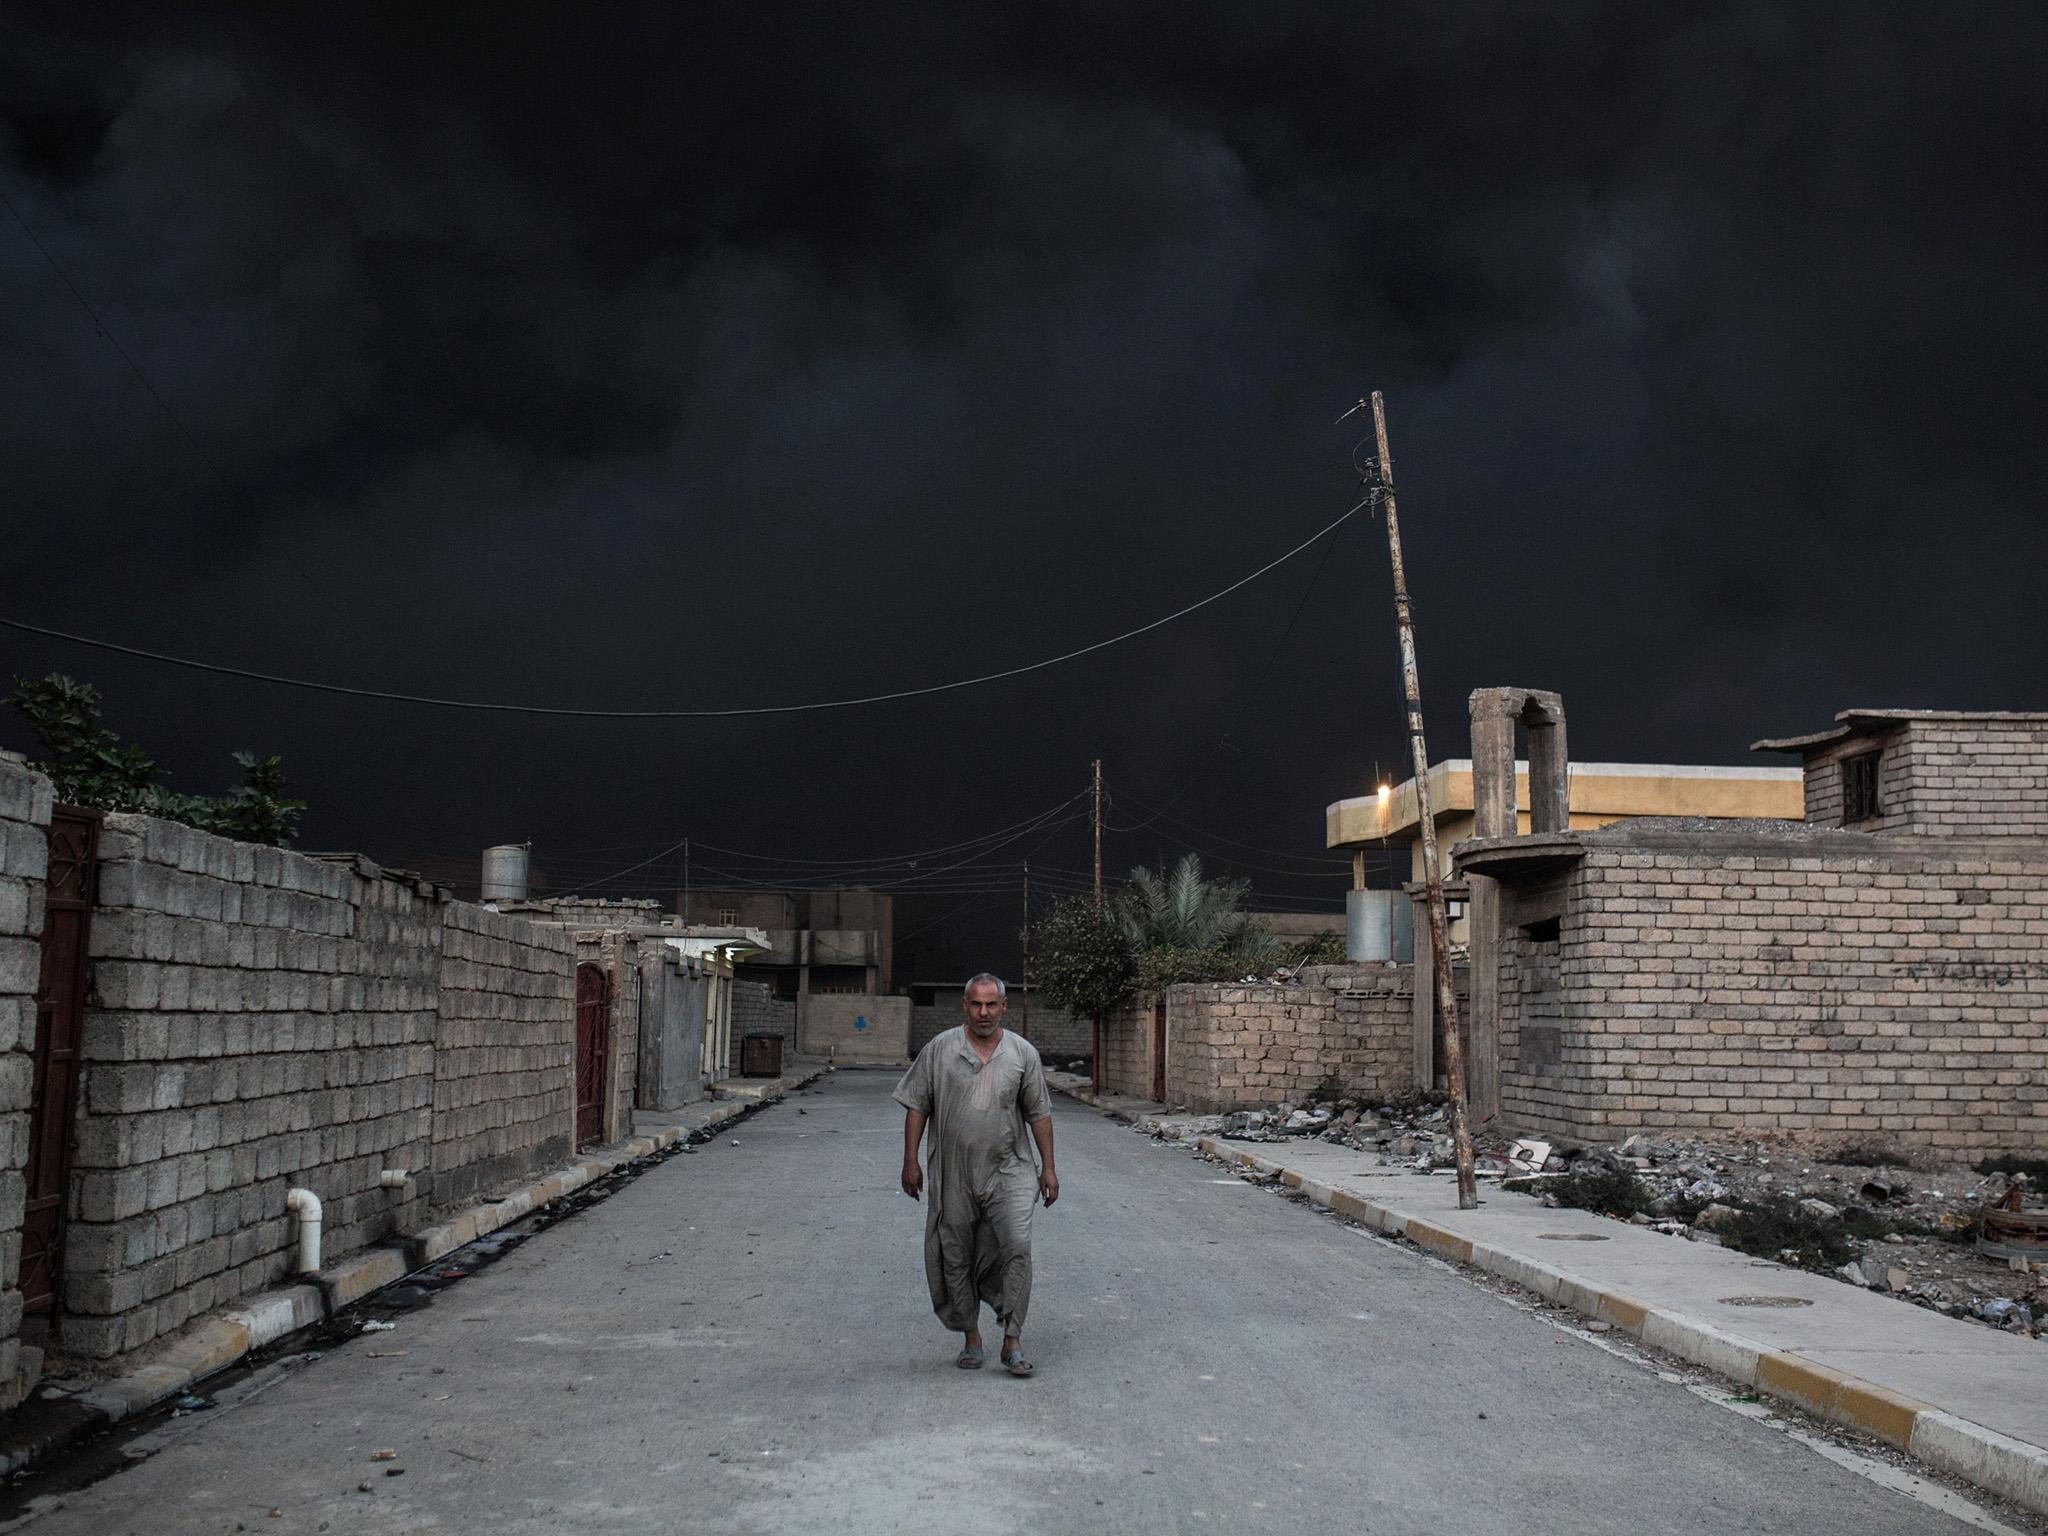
point(1821, 983)
point(259, 1019)
point(24, 816)
point(1242, 1046)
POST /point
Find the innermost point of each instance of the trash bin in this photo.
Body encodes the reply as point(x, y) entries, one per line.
point(761, 1055)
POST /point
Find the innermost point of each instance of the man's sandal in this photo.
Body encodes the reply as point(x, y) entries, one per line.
point(1015, 1363)
point(970, 1358)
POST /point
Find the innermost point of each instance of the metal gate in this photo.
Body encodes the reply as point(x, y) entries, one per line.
point(60, 1012)
point(593, 1049)
point(1159, 1050)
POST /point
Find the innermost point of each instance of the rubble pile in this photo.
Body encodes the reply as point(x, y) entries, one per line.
point(1877, 1222)
point(1866, 1216)
point(1415, 1134)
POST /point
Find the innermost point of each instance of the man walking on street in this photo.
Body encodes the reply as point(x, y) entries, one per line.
point(982, 1091)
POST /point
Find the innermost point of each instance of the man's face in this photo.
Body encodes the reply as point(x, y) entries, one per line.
point(985, 1010)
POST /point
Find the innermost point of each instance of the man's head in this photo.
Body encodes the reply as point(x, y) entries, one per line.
point(986, 1001)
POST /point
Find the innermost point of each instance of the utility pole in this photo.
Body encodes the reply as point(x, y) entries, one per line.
point(1379, 482)
point(1098, 834)
point(1025, 1028)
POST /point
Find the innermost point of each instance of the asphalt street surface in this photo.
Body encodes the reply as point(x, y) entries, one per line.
point(740, 1341)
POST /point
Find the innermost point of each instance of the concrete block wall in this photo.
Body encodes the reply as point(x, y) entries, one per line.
point(256, 1020)
point(1058, 1034)
point(259, 1019)
point(1969, 777)
point(1826, 985)
point(504, 1058)
point(858, 1029)
point(24, 853)
point(1238, 1046)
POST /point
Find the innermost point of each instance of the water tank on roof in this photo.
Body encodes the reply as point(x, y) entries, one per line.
point(1379, 926)
point(505, 872)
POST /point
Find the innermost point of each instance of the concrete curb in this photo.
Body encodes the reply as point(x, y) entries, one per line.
point(2009, 1468)
point(219, 1341)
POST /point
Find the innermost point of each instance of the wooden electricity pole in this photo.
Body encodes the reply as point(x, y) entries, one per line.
point(1098, 834)
point(1381, 485)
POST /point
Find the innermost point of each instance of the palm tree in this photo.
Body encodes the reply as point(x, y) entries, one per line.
point(1183, 911)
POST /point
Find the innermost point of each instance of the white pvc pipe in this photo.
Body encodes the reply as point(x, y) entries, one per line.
point(305, 1205)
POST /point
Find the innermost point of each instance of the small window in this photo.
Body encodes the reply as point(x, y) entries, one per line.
point(1859, 788)
point(727, 916)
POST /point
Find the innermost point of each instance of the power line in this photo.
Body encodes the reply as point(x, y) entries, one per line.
point(676, 714)
point(922, 882)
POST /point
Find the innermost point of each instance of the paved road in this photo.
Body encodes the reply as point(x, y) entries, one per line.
point(1210, 1357)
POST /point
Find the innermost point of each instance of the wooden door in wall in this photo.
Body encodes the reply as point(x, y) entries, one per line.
point(1159, 1050)
point(60, 1017)
point(593, 1050)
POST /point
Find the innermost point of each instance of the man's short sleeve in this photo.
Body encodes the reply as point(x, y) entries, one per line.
point(914, 1088)
point(1032, 1097)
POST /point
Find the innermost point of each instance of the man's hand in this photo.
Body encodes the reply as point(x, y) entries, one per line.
point(1049, 1186)
point(913, 1180)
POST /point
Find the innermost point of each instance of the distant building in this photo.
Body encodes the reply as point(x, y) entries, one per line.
point(819, 942)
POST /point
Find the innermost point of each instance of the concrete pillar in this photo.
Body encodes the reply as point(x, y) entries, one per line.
point(1494, 713)
point(1482, 1015)
point(1549, 765)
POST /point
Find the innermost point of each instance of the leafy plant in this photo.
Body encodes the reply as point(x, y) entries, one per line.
point(90, 765)
point(1590, 1187)
point(1186, 928)
point(1323, 949)
point(1165, 964)
point(1780, 1228)
point(1081, 959)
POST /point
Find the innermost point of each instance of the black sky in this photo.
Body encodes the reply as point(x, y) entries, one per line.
point(652, 355)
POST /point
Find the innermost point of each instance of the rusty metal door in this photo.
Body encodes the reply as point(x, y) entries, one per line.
point(593, 1050)
point(1159, 1050)
point(60, 1017)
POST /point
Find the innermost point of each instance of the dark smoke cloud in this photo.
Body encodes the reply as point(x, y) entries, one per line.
point(636, 354)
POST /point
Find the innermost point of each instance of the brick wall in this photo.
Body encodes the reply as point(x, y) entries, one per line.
point(24, 818)
point(1980, 777)
point(1234, 1047)
point(1788, 979)
point(505, 1052)
point(1126, 1065)
point(757, 1010)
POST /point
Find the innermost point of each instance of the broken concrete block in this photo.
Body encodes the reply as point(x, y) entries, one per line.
point(1716, 1218)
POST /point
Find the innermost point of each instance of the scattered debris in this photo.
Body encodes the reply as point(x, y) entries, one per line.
point(377, 1325)
point(384, 1455)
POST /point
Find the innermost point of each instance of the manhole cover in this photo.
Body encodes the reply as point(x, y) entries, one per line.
point(1765, 1301)
point(1573, 1237)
